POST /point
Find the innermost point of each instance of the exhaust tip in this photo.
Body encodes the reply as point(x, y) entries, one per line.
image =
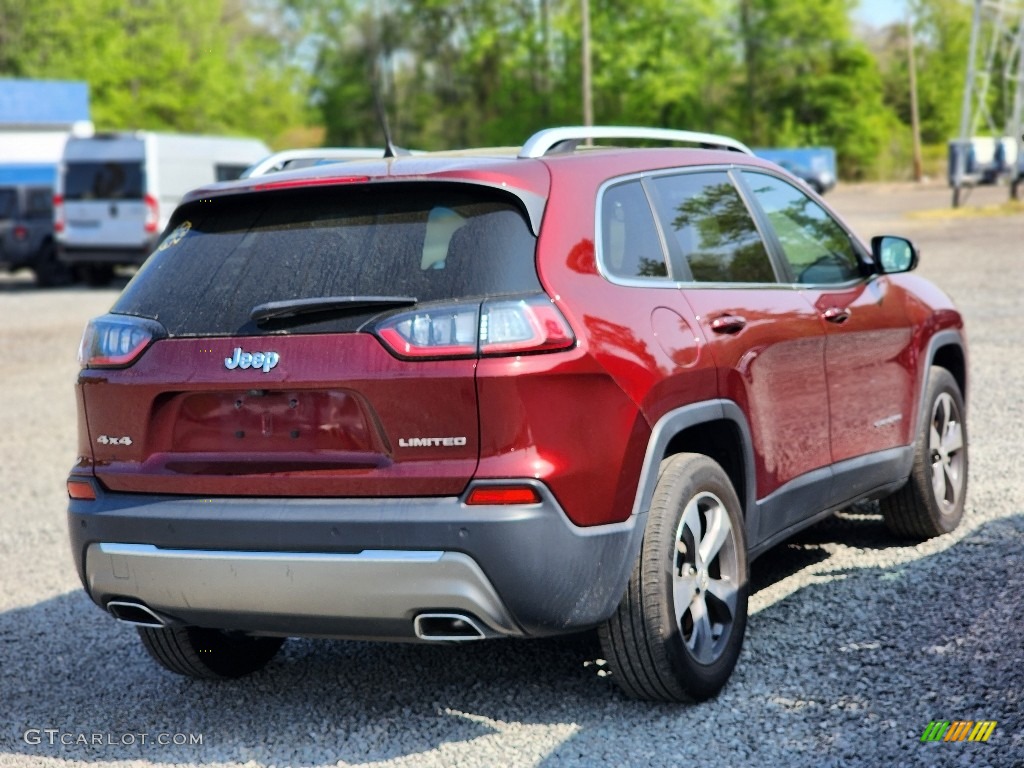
point(135, 614)
point(447, 627)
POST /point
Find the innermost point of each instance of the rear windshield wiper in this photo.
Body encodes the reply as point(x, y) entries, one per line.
point(279, 310)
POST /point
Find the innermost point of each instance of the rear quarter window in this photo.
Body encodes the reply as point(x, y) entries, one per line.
point(631, 247)
point(433, 242)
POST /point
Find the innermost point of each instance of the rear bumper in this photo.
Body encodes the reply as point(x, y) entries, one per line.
point(363, 568)
point(15, 254)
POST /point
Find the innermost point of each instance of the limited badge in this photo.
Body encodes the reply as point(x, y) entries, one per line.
point(176, 236)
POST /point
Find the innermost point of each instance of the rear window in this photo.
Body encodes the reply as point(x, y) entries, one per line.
point(106, 180)
point(434, 242)
point(40, 203)
point(8, 203)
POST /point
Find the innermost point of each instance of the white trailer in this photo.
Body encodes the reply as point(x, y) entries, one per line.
point(116, 192)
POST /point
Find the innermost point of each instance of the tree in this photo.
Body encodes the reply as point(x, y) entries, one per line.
point(809, 81)
point(161, 64)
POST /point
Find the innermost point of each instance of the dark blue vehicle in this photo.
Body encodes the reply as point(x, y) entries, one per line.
point(26, 223)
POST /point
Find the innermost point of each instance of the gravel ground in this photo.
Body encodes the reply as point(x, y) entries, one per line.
point(854, 643)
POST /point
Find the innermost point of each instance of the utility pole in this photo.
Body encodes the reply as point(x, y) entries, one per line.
point(1001, 22)
point(588, 101)
point(1017, 117)
point(963, 145)
point(915, 120)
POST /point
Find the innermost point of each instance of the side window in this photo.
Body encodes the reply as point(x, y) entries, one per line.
point(630, 245)
point(713, 228)
point(818, 250)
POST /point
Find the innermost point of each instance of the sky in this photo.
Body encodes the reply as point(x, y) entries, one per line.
point(878, 13)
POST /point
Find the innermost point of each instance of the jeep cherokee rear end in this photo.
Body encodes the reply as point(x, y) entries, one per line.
point(270, 461)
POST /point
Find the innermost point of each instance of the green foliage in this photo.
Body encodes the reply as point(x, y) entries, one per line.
point(808, 81)
point(456, 73)
point(162, 64)
point(942, 30)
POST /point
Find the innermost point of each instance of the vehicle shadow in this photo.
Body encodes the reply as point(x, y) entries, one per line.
point(868, 656)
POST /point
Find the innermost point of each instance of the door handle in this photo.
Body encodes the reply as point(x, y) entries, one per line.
point(728, 324)
point(836, 315)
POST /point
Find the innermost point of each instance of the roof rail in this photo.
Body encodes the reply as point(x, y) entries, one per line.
point(566, 139)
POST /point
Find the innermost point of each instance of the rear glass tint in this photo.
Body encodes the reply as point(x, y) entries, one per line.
point(433, 242)
point(107, 180)
point(630, 244)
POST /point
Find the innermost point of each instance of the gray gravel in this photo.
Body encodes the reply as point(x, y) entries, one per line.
point(854, 644)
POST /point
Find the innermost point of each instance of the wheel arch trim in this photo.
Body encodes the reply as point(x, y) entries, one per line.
point(675, 422)
point(938, 342)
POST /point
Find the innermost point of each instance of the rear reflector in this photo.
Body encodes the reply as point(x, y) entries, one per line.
point(489, 328)
point(503, 494)
point(81, 490)
point(116, 341)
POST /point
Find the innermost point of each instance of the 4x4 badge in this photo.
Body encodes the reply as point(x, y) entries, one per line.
point(264, 360)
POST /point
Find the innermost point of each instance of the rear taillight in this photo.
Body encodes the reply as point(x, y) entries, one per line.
point(58, 213)
point(117, 341)
point(450, 331)
point(20, 232)
point(523, 326)
point(490, 328)
point(152, 214)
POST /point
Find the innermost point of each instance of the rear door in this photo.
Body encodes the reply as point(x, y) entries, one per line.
point(311, 403)
point(104, 188)
point(767, 342)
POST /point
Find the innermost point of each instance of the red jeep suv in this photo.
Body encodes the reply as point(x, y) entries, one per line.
point(503, 393)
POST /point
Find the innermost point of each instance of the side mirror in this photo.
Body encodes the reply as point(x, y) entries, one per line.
point(893, 254)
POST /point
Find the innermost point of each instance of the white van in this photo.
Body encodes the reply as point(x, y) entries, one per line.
point(116, 192)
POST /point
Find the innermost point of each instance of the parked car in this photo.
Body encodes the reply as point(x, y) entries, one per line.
point(26, 231)
point(814, 166)
point(116, 192)
point(821, 180)
point(478, 395)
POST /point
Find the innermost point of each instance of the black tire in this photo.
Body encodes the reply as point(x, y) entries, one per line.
point(50, 272)
point(656, 644)
point(96, 275)
point(921, 509)
point(208, 654)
